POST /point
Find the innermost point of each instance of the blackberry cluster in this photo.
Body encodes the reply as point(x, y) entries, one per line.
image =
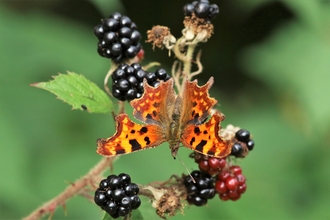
point(117, 195)
point(244, 136)
point(118, 38)
point(210, 165)
point(127, 81)
point(202, 190)
point(230, 183)
point(201, 9)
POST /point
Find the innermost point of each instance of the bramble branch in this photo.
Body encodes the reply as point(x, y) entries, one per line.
point(72, 190)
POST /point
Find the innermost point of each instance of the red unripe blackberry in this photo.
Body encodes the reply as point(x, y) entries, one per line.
point(234, 195)
point(230, 184)
point(235, 170)
point(204, 165)
point(220, 187)
point(223, 176)
point(224, 197)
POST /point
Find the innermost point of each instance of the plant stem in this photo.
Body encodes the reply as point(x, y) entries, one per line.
point(72, 190)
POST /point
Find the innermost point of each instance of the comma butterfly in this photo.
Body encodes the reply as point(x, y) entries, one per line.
point(172, 118)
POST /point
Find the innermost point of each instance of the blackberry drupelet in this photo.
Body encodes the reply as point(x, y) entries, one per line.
point(200, 191)
point(202, 9)
point(243, 137)
point(127, 81)
point(230, 184)
point(118, 38)
point(117, 195)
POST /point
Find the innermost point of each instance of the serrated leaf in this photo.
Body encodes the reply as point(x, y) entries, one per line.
point(79, 92)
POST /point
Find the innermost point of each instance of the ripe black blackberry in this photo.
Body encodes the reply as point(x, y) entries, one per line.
point(118, 38)
point(127, 81)
point(117, 195)
point(244, 136)
point(200, 191)
point(201, 9)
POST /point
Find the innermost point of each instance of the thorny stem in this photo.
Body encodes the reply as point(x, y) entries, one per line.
point(72, 190)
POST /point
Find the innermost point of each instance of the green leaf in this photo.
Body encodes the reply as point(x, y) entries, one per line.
point(79, 92)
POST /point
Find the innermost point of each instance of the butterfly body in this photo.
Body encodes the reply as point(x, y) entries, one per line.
point(171, 118)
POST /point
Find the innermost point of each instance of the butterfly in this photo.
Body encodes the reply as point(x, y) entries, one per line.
point(169, 117)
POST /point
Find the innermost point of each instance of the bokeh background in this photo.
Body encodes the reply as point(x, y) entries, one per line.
point(271, 63)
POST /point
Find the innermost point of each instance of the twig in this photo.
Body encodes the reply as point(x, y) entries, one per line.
point(72, 190)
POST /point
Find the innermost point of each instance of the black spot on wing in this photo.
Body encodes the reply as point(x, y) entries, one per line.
point(132, 131)
point(201, 145)
point(135, 145)
point(148, 116)
point(156, 104)
point(196, 116)
point(154, 113)
point(205, 132)
point(144, 130)
point(197, 130)
point(193, 113)
point(120, 151)
point(192, 141)
point(147, 140)
point(194, 104)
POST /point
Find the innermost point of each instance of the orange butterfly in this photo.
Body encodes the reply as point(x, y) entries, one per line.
point(172, 118)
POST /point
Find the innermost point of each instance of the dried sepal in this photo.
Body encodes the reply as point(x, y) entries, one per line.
point(160, 36)
point(197, 29)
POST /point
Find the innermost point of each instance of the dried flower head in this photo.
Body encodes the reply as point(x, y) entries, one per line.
point(196, 28)
point(160, 36)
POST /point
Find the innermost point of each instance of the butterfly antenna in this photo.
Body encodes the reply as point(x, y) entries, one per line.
point(186, 168)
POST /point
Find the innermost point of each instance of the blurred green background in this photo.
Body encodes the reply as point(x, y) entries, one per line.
point(271, 63)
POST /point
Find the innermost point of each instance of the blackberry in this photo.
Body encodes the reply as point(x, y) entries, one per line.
point(244, 138)
point(127, 81)
point(202, 9)
point(207, 164)
point(200, 191)
point(118, 38)
point(117, 195)
point(230, 184)
point(237, 150)
point(242, 135)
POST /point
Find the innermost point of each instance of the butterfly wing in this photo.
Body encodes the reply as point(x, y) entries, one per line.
point(196, 102)
point(205, 138)
point(130, 137)
point(156, 104)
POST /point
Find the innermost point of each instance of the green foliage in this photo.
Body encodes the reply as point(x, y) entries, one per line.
point(79, 92)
